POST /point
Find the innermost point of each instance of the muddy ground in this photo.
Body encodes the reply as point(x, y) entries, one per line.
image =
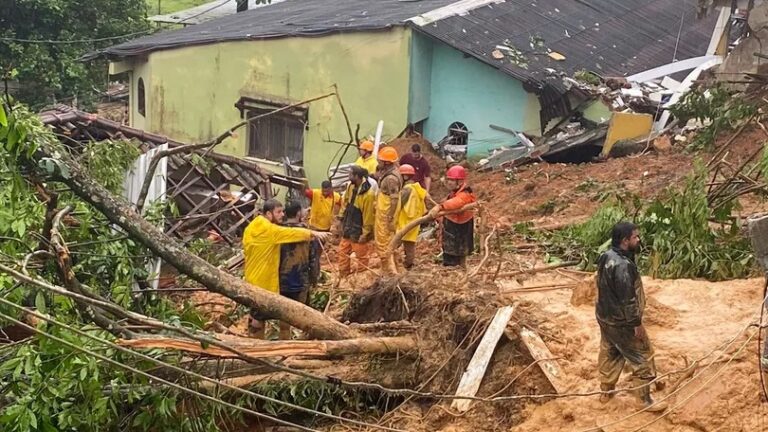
point(701, 330)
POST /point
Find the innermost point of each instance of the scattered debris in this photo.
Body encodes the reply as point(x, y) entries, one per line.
point(470, 381)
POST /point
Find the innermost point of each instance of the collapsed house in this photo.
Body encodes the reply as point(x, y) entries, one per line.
point(214, 193)
point(474, 75)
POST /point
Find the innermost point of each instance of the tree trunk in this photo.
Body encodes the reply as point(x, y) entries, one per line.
point(119, 212)
point(263, 349)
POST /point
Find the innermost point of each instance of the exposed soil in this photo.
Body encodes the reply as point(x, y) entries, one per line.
point(688, 321)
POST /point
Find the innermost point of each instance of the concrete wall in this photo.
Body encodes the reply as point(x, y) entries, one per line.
point(421, 78)
point(466, 90)
point(191, 91)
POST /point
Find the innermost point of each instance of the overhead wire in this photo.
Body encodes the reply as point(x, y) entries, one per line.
point(140, 372)
point(72, 41)
point(181, 370)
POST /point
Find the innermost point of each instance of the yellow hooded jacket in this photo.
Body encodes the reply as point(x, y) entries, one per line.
point(412, 209)
point(261, 247)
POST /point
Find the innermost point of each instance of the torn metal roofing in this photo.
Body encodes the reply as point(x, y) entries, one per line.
point(288, 18)
point(534, 39)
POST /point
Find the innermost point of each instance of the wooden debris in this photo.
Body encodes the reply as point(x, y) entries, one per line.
point(473, 376)
point(539, 269)
point(261, 349)
point(541, 354)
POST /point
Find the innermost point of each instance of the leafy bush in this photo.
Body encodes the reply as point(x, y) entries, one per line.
point(682, 237)
point(716, 105)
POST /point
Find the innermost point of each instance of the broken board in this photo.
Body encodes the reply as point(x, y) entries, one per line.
point(544, 357)
point(473, 376)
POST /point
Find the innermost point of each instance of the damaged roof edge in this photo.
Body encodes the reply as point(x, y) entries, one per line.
point(114, 53)
point(65, 114)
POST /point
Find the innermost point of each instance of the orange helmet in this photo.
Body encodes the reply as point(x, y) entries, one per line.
point(388, 154)
point(366, 145)
point(406, 169)
point(456, 172)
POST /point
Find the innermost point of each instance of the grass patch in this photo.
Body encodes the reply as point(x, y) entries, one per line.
point(160, 7)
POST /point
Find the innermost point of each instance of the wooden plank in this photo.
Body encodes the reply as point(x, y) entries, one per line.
point(473, 376)
point(545, 359)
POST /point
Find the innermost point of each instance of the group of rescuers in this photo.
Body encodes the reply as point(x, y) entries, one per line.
point(383, 196)
point(385, 193)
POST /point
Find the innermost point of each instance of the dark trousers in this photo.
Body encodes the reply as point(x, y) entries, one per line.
point(453, 260)
point(618, 345)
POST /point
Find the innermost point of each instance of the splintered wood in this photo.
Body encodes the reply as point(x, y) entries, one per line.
point(473, 376)
point(261, 349)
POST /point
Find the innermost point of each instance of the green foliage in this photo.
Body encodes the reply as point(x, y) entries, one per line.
point(586, 76)
point(716, 105)
point(53, 70)
point(319, 396)
point(682, 236)
point(107, 162)
point(48, 386)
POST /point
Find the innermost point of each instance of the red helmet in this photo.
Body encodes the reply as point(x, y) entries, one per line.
point(456, 172)
point(406, 169)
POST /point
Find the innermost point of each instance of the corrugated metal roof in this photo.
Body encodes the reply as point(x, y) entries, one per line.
point(288, 18)
point(610, 37)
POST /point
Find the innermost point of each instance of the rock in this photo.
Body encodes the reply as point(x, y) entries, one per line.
point(662, 144)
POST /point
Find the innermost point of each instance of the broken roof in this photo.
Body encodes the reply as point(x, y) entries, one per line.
point(288, 18)
point(609, 37)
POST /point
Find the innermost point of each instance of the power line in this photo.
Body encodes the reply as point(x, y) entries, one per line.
point(150, 376)
point(183, 371)
point(73, 41)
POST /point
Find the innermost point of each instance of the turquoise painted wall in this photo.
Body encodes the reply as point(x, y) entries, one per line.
point(466, 90)
point(421, 78)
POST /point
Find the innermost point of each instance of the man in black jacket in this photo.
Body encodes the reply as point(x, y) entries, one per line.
point(619, 310)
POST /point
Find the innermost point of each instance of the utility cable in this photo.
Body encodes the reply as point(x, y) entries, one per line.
point(73, 41)
point(184, 371)
point(144, 374)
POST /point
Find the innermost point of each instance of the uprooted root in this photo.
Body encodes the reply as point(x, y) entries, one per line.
point(450, 320)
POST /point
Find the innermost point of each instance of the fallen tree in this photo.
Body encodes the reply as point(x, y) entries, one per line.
point(264, 349)
point(50, 160)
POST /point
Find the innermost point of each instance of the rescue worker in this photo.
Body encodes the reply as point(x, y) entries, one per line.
point(296, 261)
point(619, 312)
point(356, 220)
point(413, 207)
point(458, 229)
point(261, 247)
point(367, 160)
point(387, 207)
point(325, 205)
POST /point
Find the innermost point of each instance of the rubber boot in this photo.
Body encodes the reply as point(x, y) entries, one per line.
point(606, 397)
point(649, 404)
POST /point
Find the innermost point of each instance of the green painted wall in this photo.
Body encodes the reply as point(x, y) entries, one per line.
point(191, 91)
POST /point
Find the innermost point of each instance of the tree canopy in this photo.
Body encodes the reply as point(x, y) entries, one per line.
point(41, 42)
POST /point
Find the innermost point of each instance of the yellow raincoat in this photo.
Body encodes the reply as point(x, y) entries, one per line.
point(389, 190)
point(370, 164)
point(411, 210)
point(321, 210)
point(261, 247)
